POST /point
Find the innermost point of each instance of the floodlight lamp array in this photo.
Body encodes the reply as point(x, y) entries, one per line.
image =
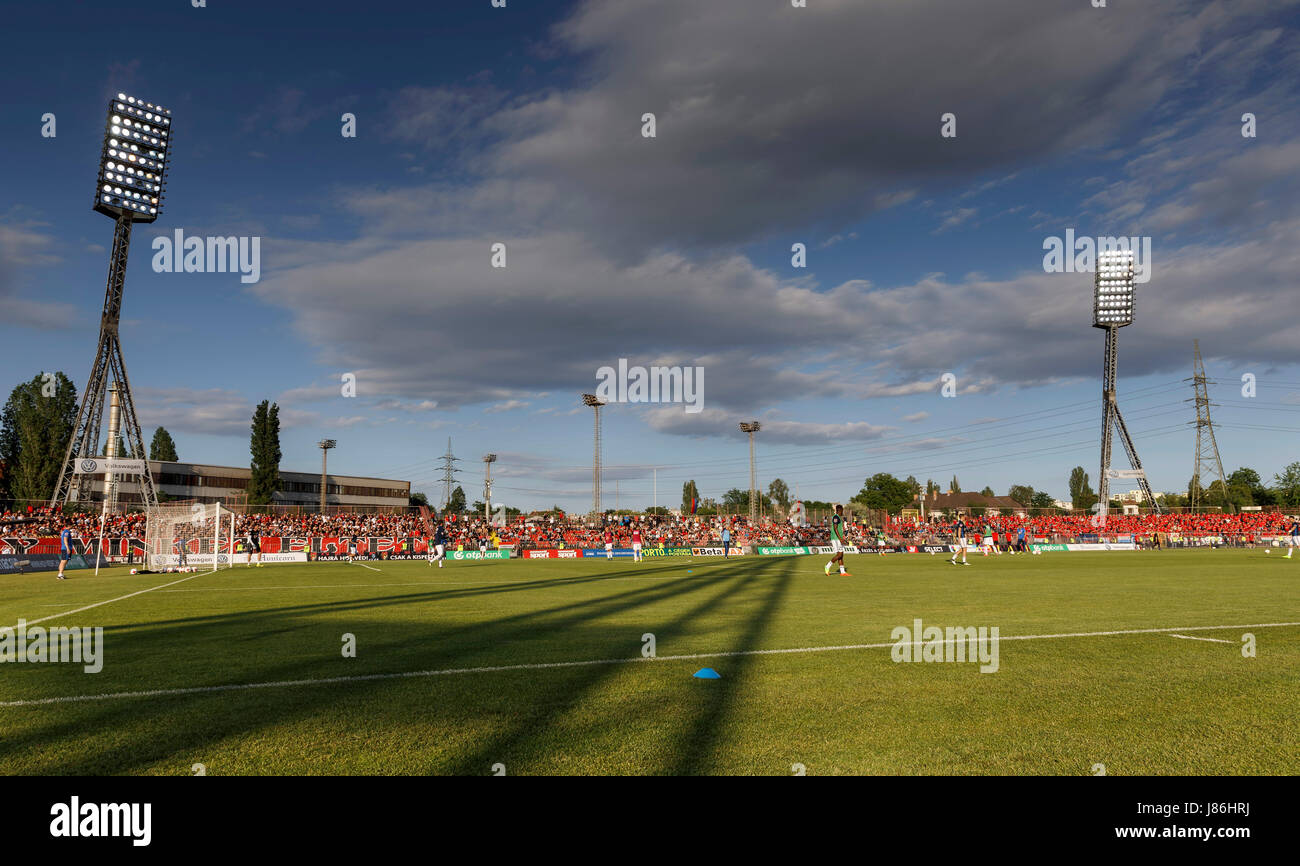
point(133, 160)
point(1114, 290)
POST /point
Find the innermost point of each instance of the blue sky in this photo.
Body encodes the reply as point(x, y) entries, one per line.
point(775, 126)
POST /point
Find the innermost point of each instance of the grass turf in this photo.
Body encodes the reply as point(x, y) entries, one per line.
point(1139, 704)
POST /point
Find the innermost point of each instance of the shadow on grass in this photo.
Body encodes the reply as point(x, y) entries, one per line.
point(131, 734)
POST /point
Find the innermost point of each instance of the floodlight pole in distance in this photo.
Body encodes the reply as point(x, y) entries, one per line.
point(324, 445)
point(752, 427)
point(488, 460)
point(595, 403)
point(133, 159)
point(1113, 295)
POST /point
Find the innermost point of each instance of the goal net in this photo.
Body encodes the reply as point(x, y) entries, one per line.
point(189, 535)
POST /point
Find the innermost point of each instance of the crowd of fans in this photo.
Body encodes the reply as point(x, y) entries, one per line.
point(555, 531)
point(44, 522)
point(1245, 525)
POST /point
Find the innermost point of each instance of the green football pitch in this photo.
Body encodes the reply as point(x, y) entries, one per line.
point(1123, 663)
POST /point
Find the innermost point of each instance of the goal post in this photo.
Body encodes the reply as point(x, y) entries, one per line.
point(195, 535)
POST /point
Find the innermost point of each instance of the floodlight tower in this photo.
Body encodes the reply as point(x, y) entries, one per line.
point(595, 403)
point(132, 162)
point(488, 460)
point(752, 427)
point(324, 445)
point(1112, 309)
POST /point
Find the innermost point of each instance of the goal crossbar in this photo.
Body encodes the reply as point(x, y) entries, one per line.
point(196, 535)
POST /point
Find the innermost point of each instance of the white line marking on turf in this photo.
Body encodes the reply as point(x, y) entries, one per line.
point(111, 600)
point(560, 582)
point(361, 678)
point(1189, 637)
point(363, 565)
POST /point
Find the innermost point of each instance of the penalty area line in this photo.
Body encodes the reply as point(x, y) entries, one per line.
point(361, 678)
point(33, 622)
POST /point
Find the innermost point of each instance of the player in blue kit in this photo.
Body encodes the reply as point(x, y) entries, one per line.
point(65, 550)
point(438, 545)
point(959, 532)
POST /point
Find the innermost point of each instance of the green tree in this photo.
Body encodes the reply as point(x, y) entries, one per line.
point(689, 492)
point(1081, 493)
point(1024, 494)
point(1286, 486)
point(1218, 494)
point(265, 448)
point(813, 506)
point(35, 426)
point(456, 505)
point(955, 486)
point(779, 492)
point(737, 499)
point(162, 447)
point(884, 492)
point(1245, 476)
point(913, 485)
point(987, 491)
point(1249, 479)
point(1172, 500)
point(931, 487)
point(1042, 499)
point(418, 499)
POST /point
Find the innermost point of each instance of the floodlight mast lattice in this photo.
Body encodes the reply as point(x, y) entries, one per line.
point(595, 403)
point(324, 445)
point(130, 188)
point(1112, 309)
point(752, 427)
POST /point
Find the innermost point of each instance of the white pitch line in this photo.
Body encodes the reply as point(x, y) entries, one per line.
point(360, 678)
point(363, 565)
point(1189, 637)
point(111, 600)
point(560, 582)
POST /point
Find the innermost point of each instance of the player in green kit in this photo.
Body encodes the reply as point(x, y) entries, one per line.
point(837, 541)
